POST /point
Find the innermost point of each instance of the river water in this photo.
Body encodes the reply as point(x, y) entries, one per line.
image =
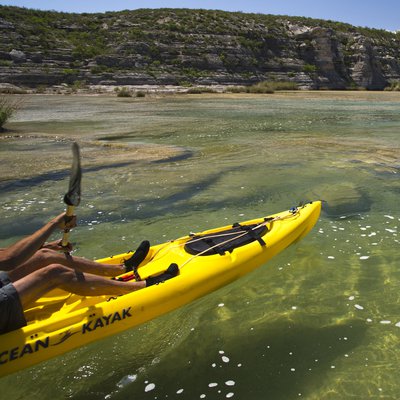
point(319, 321)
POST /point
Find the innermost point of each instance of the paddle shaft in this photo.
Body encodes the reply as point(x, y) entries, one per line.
point(65, 238)
point(73, 197)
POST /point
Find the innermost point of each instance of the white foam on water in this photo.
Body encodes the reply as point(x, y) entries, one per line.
point(149, 387)
point(126, 380)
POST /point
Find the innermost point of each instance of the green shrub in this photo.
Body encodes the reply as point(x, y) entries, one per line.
point(124, 92)
point(263, 87)
point(284, 85)
point(200, 90)
point(272, 86)
point(185, 83)
point(8, 108)
point(78, 84)
point(97, 69)
point(41, 89)
point(309, 68)
point(68, 71)
point(394, 87)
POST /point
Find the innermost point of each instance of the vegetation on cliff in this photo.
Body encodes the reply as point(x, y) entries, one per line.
point(175, 46)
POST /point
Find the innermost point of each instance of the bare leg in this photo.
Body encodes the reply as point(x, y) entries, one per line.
point(44, 257)
point(41, 281)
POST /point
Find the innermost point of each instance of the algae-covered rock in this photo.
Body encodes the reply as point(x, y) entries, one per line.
point(343, 200)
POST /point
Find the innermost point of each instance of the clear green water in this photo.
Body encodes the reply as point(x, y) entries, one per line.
point(317, 322)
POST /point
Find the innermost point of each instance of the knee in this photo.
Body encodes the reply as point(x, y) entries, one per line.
point(47, 256)
point(57, 273)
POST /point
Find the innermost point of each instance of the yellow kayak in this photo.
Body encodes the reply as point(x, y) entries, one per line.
point(61, 321)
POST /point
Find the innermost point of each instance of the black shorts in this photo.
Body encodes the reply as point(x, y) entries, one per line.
point(11, 311)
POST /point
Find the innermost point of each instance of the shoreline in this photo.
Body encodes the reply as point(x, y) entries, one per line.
point(159, 91)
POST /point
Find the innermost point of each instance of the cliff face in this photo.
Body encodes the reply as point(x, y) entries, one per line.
point(178, 46)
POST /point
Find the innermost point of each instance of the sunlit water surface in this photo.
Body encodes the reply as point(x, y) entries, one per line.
point(320, 321)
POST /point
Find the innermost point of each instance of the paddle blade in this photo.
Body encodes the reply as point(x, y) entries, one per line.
point(73, 196)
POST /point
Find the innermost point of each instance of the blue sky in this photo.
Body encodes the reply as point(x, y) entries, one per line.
point(382, 14)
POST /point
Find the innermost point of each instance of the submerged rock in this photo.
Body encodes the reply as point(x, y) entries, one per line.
point(344, 200)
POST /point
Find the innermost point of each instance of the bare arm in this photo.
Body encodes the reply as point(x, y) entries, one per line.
point(19, 252)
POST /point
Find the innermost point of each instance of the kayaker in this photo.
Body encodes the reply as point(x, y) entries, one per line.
point(31, 267)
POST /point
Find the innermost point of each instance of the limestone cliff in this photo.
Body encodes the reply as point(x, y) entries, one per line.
point(179, 46)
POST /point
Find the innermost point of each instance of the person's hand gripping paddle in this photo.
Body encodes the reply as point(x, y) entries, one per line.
point(73, 197)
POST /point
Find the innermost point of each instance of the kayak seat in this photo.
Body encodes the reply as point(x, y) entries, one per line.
point(228, 240)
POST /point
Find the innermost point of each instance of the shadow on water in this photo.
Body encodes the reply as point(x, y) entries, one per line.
point(176, 203)
point(186, 154)
point(11, 185)
point(281, 360)
point(52, 176)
